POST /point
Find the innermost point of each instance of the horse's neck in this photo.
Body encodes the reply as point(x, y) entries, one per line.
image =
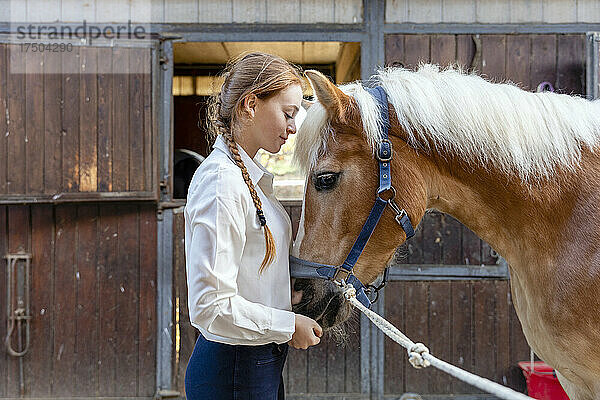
point(529, 225)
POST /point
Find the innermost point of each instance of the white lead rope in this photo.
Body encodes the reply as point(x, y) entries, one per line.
point(420, 357)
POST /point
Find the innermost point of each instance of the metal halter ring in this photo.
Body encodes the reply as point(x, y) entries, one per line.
point(337, 272)
point(391, 198)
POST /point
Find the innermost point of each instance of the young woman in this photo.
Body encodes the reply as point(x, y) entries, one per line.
point(238, 237)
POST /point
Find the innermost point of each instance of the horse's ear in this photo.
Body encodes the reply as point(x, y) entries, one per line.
point(329, 95)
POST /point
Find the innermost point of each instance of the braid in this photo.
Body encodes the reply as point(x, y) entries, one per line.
point(259, 74)
point(270, 243)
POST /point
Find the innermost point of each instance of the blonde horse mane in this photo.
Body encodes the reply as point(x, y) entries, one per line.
point(491, 124)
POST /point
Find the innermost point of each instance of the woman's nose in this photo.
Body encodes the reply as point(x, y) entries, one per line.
point(291, 129)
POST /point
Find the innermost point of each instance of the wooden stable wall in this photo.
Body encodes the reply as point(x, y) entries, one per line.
point(468, 322)
point(187, 11)
point(497, 12)
point(84, 133)
point(526, 60)
point(93, 299)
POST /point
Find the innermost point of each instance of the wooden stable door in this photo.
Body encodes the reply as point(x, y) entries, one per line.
point(78, 197)
point(77, 124)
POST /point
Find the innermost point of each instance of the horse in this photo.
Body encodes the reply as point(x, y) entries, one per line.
point(520, 169)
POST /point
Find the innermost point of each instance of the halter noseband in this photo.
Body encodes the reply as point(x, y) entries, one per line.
point(307, 269)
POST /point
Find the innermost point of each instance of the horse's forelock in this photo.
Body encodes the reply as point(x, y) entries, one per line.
point(311, 137)
point(311, 141)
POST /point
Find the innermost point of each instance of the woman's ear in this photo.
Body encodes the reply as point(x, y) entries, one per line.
point(249, 104)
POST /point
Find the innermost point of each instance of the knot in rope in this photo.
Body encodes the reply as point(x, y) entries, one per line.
point(349, 291)
point(420, 357)
point(415, 356)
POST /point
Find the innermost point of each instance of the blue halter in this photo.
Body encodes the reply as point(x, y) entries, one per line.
point(306, 269)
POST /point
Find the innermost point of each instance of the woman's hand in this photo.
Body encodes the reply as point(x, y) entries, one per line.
point(307, 333)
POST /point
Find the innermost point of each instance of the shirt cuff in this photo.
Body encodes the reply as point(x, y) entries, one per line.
point(284, 322)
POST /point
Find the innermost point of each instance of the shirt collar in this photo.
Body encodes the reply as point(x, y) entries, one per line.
point(258, 173)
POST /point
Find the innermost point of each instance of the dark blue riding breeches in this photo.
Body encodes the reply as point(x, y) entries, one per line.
point(219, 371)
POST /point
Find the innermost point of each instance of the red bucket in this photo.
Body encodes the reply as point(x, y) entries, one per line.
point(542, 383)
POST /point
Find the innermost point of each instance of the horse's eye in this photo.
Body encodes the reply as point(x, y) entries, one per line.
point(326, 180)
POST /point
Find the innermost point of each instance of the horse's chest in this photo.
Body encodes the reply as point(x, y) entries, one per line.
point(556, 339)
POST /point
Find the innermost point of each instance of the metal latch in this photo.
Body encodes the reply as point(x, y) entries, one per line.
point(18, 303)
point(166, 394)
point(18, 309)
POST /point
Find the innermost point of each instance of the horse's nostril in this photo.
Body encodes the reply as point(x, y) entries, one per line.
point(301, 284)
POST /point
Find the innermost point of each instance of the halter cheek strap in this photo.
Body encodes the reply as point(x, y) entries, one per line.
point(306, 269)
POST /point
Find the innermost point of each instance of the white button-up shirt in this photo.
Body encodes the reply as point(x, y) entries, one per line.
point(229, 300)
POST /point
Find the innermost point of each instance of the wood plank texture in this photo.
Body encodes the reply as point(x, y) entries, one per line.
point(18, 222)
point(518, 51)
point(443, 49)
point(4, 68)
point(416, 50)
point(70, 120)
point(466, 323)
point(187, 333)
point(317, 367)
point(120, 120)
point(85, 312)
point(65, 287)
point(105, 115)
point(53, 100)
point(34, 122)
point(108, 309)
point(88, 120)
point(127, 300)
point(493, 57)
point(136, 120)
point(15, 132)
point(65, 130)
point(147, 309)
point(39, 358)
point(417, 328)
point(543, 60)
point(4, 356)
point(462, 321)
point(571, 64)
point(394, 355)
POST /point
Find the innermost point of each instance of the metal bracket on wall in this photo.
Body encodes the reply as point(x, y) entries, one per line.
point(164, 59)
point(17, 302)
point(167, 394)
point(18, 308)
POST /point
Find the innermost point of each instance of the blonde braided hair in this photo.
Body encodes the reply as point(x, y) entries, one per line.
point(255, 73)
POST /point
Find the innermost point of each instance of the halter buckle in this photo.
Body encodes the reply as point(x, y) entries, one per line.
point(384, 153)
point(337, 273)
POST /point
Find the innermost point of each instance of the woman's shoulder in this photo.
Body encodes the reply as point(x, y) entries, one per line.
point(218, 177)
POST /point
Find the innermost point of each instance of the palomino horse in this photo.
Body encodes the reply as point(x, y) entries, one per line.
point(520, 169)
